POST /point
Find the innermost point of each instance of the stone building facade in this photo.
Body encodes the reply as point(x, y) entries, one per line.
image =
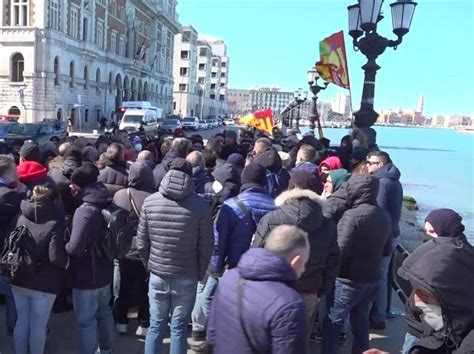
point(80, 59)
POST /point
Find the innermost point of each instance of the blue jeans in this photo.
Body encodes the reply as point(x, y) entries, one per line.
point(354, 299)
point(34, 308)
point(170, 297)
point(379, 308)
point(10, 308)
point(202, 308)
point(92, 309)
point(410, 342)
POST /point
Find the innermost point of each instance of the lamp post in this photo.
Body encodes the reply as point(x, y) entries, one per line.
point(300, 97)
point(315, 89)
point(363, 20)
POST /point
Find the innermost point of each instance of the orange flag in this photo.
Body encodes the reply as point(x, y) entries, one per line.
point(262, 120)
point(332, 65)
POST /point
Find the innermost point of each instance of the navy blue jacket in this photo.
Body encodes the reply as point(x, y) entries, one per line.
point(233, 230)
point(272, 311)
point(390, 196)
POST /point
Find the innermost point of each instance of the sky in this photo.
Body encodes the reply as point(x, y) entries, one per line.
point(275, 42)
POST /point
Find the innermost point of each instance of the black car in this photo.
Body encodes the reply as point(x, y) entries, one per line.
point(169, 126)
point(37, 132)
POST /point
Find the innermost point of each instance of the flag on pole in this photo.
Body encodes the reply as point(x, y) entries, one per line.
point(332, 65)
point(141, 52)
point(262, 120)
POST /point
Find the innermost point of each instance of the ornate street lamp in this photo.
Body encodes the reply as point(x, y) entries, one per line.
point(315, 89)
point(363, 20)
point(300, 97)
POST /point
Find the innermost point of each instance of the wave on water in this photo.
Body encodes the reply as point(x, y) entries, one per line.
point(414, 148)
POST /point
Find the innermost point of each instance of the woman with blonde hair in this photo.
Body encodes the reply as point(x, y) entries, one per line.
point(35, 290)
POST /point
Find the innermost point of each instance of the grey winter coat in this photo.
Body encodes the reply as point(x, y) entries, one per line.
point(175, 236)
point(114, 176)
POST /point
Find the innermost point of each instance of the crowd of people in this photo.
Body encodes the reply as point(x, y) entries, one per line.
point(241, 235)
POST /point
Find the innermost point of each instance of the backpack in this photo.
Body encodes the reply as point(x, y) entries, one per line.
point(17, 257)
point(273, 182)
point(120, 229)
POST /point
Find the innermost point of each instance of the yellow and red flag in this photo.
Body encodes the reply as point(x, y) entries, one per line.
point(332, 65)
point(262, 120)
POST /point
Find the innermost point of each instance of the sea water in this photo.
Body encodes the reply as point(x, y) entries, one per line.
point(436, 165)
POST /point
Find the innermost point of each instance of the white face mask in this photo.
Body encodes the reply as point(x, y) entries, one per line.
point(432, 314)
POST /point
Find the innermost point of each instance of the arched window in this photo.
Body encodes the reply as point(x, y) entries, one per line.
point(97, 79)
point(56, 71)
point(71, 74)
point(18, 65)
point(86, 77)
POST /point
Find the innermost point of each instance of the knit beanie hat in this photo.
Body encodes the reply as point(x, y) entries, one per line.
point(236, 159)
point(446, 222)
point(85, 175)
point(303, 180)
point(253, 175)
point(30, 152)
point(359, 153)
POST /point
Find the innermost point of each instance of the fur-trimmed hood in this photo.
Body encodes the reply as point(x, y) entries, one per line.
point(303, 205)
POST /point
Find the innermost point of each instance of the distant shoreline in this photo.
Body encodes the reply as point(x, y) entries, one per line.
point(461, 129)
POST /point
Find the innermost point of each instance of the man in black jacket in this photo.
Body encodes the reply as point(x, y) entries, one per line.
point(362, 235)
point(114, 176)
point(301, 206)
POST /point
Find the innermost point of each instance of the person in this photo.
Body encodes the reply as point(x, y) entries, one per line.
point(174, 240)
point(389, 197)
point(180, 147)
point(210, 162)
point(358, 160)
point(30, 171)
point(90, 274)
point(256, 308)
point(441, 296)
point(103, 123)
point(261, 144)
point(445, 223)
point(35, 292)
point(345, 151)
point(237, 160)
point(10, 199)
point(359, 139)
point(303, 207)
point(146, 157)
point(329, 164)
point(114, 175)
point(305, 162)
point(196, 159)
point(133, 275)
point(230, 145)
point(277, 177)
point(362, 235)
point(334, 180)
point(238, 219)
point(215, 145)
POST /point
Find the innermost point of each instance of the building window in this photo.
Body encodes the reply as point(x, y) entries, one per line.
point(212, 96)
point(202, 66)
point(184, 54)
point(86, 115)
point(20, 13)
point(73, 22)
point(100, 35)
point(54, 15)
point(122, 46)
point(71, 74)
point(201, 80)
point(213, 86)
point(97, 79)
point(221, 98)
point(18, 65)
point(214, 75)
point(222, 85)
point(215, 62)
point(223, 75)
point(223, 64)
point(86, 77)
point(185, 37)
point(56, 71)
point(113, 42)
point(203, 52)
point(183, 71)
point(85, 29)
point(182, 88)
point(110, 81)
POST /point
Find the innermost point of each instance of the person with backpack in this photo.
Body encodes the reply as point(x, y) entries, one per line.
point(90, 272)
point(277, 177)
point(40, 271)
point(133, 275)
point(238, 219)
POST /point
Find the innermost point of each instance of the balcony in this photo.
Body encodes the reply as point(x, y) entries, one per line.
point(18, 35)
point(168, 18)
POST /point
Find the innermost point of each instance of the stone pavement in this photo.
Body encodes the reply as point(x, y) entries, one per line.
point(62, 338)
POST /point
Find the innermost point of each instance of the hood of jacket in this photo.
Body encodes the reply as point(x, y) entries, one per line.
point(90, 154)
point(338, 177)
point(269, 159)
point(38, 212)
point(436, 266)
point(140, 177)
point(119, 166)
point(31, 171)
point(333, 162)
point(176, 185)
point(304, 205)
point(362, 189)
point(69, 165)
point(95, 193)
point(388, 170)
point(260, 265)
point(227, 174)
point(306, 166)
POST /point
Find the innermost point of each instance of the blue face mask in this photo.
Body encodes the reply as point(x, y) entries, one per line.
point(11, 185)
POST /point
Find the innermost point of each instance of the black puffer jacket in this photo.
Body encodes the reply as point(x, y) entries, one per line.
point(62, 177)
point(114, 176)
point(303, 208)
point(175, 236)
point(10, 200)
point(363, 233)
point(444, 267)
point(47, 231)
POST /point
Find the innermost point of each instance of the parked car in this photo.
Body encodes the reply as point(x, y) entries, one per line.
point(37, 132)
point(214, 123)
point(169, 126)
point(139, 120)
point(5, 127)
point(229, 121)
point(190, 123)
point(202, 125)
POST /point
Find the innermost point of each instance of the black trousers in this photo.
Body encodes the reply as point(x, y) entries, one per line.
point(133, 289)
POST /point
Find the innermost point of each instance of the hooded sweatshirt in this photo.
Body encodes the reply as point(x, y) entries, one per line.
point(332, 162)
point(338, 177)
point(174, 235)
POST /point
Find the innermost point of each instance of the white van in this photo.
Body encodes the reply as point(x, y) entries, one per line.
point(191, 123)
point(134, 120)
point(143, 105)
